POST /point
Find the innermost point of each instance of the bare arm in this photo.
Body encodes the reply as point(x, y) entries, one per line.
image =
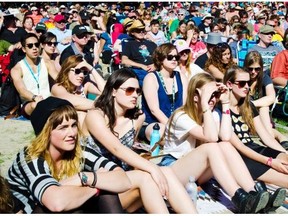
point(129, 63)
point(280, 81)
point(215, 72)
point(268, 99)
point(78, 102)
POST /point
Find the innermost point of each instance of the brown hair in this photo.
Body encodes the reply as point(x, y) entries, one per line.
point(160, 53)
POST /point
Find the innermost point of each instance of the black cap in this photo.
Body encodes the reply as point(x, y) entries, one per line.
point(84, 15)
point(79, 29)
point(43, 111)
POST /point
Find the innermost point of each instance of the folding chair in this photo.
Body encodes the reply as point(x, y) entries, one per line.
point(281, 100)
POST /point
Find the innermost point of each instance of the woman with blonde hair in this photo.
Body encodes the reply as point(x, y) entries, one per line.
point(56, 174)
point(193, 148)
point(221, 59)
point(75, 80)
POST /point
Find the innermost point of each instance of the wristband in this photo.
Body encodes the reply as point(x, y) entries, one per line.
point(226, 112)
point(269, 161)
point(95, 179)
point(97, 192)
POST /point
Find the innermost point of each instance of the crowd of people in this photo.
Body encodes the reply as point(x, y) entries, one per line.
point(172, 64)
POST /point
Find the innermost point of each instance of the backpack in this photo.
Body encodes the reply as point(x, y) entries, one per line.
point(9, 100)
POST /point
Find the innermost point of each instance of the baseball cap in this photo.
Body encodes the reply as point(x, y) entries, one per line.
point(41, 26)
point(181, 45)
point(266, 29)
point(59, 18)
point(80, 29)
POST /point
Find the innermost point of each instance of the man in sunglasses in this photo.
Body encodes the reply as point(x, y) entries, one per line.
point(265, 47)
point(175, 23)
point(78, 46)
point(30, 75)
point(63, 35)
point(137, 51)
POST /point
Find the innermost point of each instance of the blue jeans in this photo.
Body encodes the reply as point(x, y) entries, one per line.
point(140, 74)
point(167, 160)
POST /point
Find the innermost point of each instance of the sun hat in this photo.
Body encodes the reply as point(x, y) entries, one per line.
point(62, 6)
point(208, 15)
point(266, 29)
point(232, 5)
point(43, 110)
point(137, 24)
point(53, 10)
point(261, 16)
point(213, 38)
point(34, 8)
point(181, 45)
point(127, 21)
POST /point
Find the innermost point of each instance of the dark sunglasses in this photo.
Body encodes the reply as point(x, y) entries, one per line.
point(139, 31)
point(242, 83)
point(130, 90)
point(171, 57)
point(78, 71)
point(51, 43)
point(269, 33)
point(257, 69)
point(220, 45)
point(41, 31)
point(184, 52)
point(215, 94)
point(180, 14)
point(80, 36)
point(30, 45)
point(271, 25)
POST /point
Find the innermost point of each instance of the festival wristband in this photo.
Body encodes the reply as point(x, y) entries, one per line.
point(269, 161)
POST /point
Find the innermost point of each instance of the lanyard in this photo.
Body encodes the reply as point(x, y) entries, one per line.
point(173, 91)
point(33, 75)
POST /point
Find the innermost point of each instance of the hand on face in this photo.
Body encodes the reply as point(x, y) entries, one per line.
point(224, 97)
point(206, 92)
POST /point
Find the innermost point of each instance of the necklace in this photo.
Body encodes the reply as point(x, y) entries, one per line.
point(173, 91)
point(32, 73)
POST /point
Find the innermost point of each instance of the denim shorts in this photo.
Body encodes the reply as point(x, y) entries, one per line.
point(167, 160)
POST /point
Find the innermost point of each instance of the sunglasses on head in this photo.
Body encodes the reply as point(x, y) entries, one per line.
point(130, 90)
point(77, 71)
point(30, 45)
point(51, 43)
point(221, 45)
point(139, 31)
point(171, 57)
point(257, 69)
point(215, 94)
point(242, 83)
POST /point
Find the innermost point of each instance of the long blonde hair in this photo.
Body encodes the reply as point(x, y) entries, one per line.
point(39, 147)
point(190, 107)
point(245, 109)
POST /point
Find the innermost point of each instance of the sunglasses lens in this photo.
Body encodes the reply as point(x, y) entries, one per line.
point(257, 69)
point(171, 57)
point(130, 90)
point(215, 94)
point(242, 84)
point(78, 71)
point(30, 45)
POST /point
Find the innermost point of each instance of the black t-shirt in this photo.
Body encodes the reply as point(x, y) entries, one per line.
point(11, 37)
point(201, 60)
point(139, 51)
point(204, 28)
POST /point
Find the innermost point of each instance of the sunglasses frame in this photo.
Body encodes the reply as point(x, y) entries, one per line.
point(215, 94)
point(138, 31)
point(51, 43)
point(130, 90)
point(242, 83)
point(171, 57)
point(77, 71)
point(81, 36)
point(31, 45)
point(251, 69)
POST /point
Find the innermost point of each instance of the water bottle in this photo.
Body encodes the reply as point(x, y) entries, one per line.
point(155, 137)
point(191, 188)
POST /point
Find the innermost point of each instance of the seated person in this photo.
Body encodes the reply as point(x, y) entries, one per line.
point(74, 82)
point(279, 69)
point(137, 52)
point(164, 90)
point(30, 75)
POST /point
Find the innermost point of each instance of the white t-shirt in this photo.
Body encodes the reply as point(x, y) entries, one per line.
point(194, 68)
point(179, 143)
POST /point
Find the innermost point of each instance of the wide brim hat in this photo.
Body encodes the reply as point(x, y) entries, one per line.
point(214, 38)
point(208, 15)
point(137, 24)
point(127, 21)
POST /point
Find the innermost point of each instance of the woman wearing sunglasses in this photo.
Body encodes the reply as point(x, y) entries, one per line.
point(192, 145)
point(113, 134)
point(163, 91)
point(75, 80)
point(267, 160)
point(186, 65)
point(49, 43)
point(220, 60)
point(262, 92)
